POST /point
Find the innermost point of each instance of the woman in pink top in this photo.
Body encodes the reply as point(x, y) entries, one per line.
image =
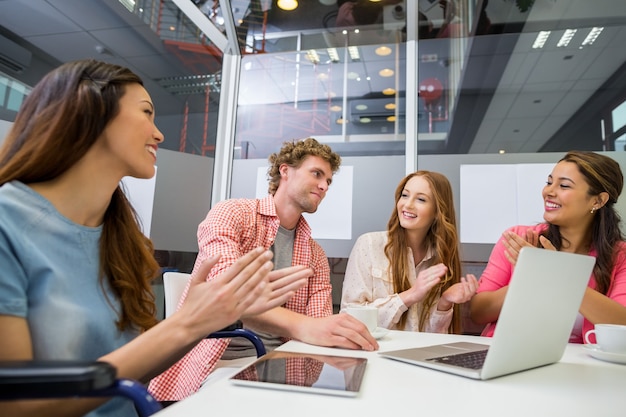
point(580, 217)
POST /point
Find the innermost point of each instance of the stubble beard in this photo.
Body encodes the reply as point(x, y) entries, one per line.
point(306, 205)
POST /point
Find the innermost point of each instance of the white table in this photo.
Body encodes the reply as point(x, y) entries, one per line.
point(578, 385)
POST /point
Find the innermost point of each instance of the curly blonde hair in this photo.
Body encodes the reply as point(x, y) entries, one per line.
point(293, 153)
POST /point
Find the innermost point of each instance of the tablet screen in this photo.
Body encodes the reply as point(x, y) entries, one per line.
point(322, 374)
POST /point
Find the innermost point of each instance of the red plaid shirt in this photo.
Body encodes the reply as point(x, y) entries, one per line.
point(232, 228)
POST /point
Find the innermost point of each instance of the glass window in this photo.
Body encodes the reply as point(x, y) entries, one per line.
point(619, 116)
point(339, 78)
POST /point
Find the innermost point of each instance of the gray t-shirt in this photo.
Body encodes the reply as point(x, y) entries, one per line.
point(283, 256)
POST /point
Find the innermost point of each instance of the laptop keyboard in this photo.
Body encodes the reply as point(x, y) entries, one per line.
point(471, 360)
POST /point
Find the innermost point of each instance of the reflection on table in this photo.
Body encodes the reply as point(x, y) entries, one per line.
point(306, 370)
point(578, 385)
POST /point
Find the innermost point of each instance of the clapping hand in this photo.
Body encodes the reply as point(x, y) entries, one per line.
point(459, 293)
point(514, 243)
point(427, 279)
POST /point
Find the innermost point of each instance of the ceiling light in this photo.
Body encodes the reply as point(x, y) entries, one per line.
point(592, 36)
point(361, 107)
point(365, 120)
point(385, 72)
point(287, 4)
point(391, 118)
point(335, 108)
point(340, 121)
point(501, 151)
point(312, 56)
point(354, 53)
point(541, 39)
point(129, 4)
point(390, 106)
point(353, 75)
point(389, 91)
point(566, 38)
point(333, 55)
point(383, 50)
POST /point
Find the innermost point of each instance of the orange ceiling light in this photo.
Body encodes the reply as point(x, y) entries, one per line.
point(383, 50)
point(287, 4)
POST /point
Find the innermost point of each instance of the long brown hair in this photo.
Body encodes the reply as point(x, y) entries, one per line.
point(59, 121)
point(602, 174)
point(442, 237)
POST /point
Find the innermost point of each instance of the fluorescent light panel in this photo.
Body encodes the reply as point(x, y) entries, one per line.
point(566, 38)
point(541, 39)
point(354, 53)
point(592, 36)
point(332, 54)
point(312, 56)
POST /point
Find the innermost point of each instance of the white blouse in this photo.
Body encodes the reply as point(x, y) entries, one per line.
point(367, 281)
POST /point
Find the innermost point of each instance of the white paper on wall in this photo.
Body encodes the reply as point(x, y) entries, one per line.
point(140, 193)
point(496, 197)
point(333, 219)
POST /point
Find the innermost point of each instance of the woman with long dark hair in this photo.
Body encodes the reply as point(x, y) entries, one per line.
point(580, 217)
point(76, 268)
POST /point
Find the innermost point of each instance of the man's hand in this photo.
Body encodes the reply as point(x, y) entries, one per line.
point(339, 330)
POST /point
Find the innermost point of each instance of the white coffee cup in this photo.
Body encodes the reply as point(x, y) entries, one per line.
point(609, 337)
point(366, 314)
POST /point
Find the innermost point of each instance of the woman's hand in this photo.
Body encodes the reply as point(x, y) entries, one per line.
point(513, 243)
point(247, 287)
point(425, 281)
point(458, 293)
point(283, 284)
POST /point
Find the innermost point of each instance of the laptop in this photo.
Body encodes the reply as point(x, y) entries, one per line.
point(537, 317)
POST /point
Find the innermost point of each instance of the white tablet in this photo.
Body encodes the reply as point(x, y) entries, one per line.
point(303, 372)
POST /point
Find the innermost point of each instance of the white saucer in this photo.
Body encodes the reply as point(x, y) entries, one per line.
point(595, 352)
point(379, 332)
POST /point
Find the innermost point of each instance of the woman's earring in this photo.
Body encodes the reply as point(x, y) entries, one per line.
point(593, 210)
